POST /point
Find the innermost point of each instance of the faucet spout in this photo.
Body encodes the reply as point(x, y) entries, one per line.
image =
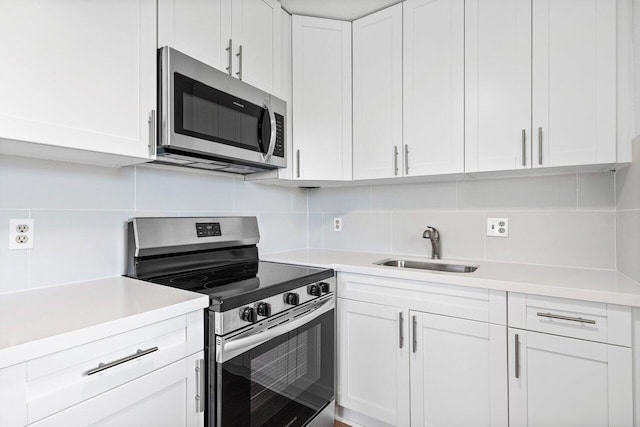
point(433, 235)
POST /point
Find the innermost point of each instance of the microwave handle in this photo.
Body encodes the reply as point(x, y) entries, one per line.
point(272, 137)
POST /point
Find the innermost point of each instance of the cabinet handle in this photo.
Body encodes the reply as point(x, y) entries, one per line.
point(401, 321)
point(395, 160)
point(517, 356)
point(573, 319)
point(230, 57)
point(406, 159)
point(415, 334)
point(104, 366)
point(524, 147)
point(200, 381)
point(298, 163)
point(239, 55)
point(152, 132)
point(539, 145)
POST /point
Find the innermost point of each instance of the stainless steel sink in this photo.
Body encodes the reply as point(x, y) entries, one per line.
point(425, 265)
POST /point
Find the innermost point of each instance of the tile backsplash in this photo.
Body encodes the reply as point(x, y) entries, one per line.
point(555, 220)
point(80, 215)
point(81, 211)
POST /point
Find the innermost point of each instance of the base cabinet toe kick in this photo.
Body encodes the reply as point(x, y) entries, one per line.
point(424, 353)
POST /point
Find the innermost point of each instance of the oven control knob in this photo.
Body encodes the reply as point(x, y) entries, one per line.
point(248, 314)
point(292, 298)
point(264, 309)
point(324, 287)
point(314, 290)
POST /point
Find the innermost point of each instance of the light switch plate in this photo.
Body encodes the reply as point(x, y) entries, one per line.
point(498, 227)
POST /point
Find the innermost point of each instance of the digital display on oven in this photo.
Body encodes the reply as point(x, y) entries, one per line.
point(208, 229)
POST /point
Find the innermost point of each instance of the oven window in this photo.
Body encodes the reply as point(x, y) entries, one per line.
point(207, 113)
point(283, 382)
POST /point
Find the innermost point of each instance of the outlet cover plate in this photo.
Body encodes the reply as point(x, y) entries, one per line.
point(498, 227)
point(16, 234)
point(337, 223)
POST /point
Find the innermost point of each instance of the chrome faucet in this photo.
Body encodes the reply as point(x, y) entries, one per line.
point(433, 234)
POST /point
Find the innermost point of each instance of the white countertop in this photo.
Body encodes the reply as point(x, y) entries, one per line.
point(605, 286)
point(42, 321)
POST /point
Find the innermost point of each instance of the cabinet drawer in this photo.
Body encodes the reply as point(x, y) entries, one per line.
point(586, 320)
point(429, 297)
point(60, 380)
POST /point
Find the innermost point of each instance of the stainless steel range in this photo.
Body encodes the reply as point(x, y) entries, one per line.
point(269, 329)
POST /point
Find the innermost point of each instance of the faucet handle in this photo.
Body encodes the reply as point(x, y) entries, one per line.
point(431, 233)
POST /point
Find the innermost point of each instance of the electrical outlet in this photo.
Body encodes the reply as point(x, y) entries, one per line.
point(498, 227)
point(337, 224)
point(21, 234)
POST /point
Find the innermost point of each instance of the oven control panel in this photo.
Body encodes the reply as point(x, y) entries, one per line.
point(238, 318)
point(208, 229)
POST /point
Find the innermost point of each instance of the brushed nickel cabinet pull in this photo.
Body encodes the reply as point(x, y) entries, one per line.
point(395, 160)
point(524, 147)
point(153, 129)
point(573, 319)
point(229, 49)
point(239, 55)
point(415, 334)
point(406, 159)
point(401, 321)
point(540, 146)
point(298, 163)
point(517, 356)
point(200, 381)
point(104, 366)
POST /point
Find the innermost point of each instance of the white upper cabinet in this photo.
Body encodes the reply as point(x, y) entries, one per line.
point(574, 82)
point(255, 31)
point(377, 94)
point(321, 99)
point(433, 69)
point(497, 85)
point(198, 28)
point(78, 79)
point(239, 37)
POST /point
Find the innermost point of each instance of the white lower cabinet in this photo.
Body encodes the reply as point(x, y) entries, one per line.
point(373, 360)
point(561, 381)
point(458, 372)
point(401, 367)
point(166, 397)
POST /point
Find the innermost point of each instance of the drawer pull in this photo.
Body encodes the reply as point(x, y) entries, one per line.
point(104, 366)
point(517, 356)
point(573, 319)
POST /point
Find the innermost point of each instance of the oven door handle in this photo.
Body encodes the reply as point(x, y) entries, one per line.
point(272, 136)
point(228, 349)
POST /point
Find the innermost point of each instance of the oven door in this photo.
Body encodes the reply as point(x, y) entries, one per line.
point(281, 372)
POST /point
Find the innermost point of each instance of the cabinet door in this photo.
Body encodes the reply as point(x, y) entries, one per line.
point(166, 397)
point(559, 381)
point(458, 372)
point(497, 85)
point(433, 68)
point(321, 98)
point(377, 94)
point(255, 27)
point(198, 28)
point(80, 75)
point(373, 360)
point(574, 82)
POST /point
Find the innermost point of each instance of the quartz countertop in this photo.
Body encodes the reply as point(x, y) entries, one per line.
point(606, 286)
point(45, 320)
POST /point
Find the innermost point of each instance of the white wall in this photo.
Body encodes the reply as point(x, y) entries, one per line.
point(555, 220)
point(81, 211)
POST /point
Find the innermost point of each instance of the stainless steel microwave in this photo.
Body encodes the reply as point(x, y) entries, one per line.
point(213, 121)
